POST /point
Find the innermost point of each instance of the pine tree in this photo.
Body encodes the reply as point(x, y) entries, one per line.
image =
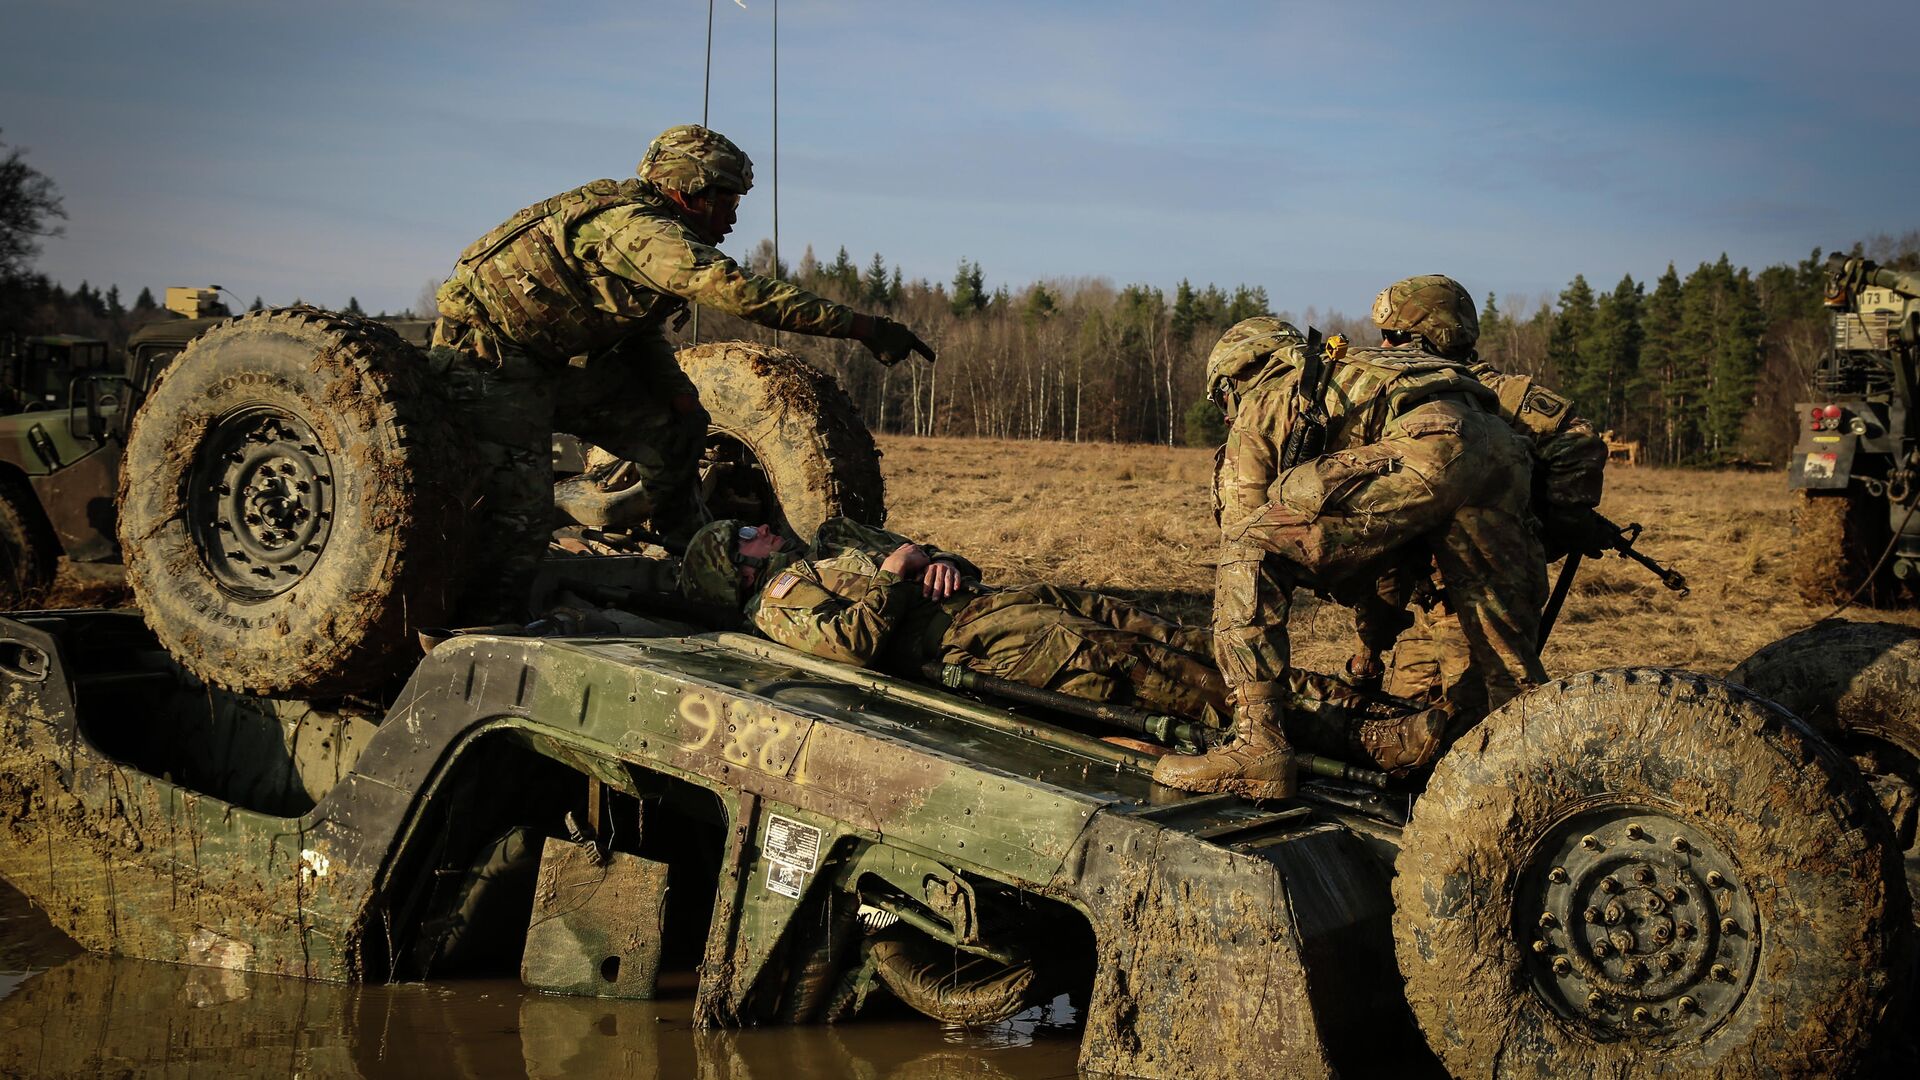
point(844, 272)
point(1247, 302)
point(1040, 304)
point(353, 306)
point(1185, 314)
point(873, 288)
point(257, 305)
point(1733, 360)
point(1572, 329)
point(895, 287)
point(115, 309)
point(969, 289)
point(1611, 353)
point(144, 302)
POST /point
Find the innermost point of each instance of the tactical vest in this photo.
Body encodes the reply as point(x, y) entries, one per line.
point(1369, 388)
point(533, 293)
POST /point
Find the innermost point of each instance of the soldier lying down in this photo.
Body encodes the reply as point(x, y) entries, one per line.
point(873, 598)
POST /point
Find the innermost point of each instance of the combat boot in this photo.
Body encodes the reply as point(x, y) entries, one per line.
point(1256, 764)
point(1398, 745)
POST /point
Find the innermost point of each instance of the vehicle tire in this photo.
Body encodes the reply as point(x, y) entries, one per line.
point(1857, 683)
point(951, 986)
point(1648, 872)
point(786, 444)
point(288, 505)
point(29, 554)
point(1837, 539)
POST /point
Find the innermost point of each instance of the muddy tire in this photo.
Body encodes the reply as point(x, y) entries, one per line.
point(787, 445)
point(1837, 539)
point(1858, 684)
point(948, 985)
point(29, 554)
point(1648, 872)
point(287, 505)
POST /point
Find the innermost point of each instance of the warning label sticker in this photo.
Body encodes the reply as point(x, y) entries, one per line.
point(791, 842)
point(786, 879)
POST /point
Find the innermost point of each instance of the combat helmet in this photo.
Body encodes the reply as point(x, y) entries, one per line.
point(690, 159)
point(1247, 346)
point(707, 572)
point(1436, 308)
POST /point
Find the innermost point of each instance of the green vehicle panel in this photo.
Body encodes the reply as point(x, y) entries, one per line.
point(826, 786)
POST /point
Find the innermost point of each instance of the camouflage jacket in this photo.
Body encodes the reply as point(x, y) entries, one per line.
point(838, 603)
point(575, 274)
point(1367, 394)
point(1570, 457)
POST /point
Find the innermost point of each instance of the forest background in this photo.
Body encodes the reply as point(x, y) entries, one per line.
point(1702, 369)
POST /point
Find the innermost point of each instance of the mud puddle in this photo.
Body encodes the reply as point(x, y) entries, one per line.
point(66, 1013)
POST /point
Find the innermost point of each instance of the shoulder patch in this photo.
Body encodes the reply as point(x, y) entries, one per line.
point(783, 585)
point(1543, 402)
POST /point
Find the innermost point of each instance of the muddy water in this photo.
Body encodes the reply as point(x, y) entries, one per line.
point(66, 1013)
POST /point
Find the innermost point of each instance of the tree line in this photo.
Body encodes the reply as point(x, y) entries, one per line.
point(1700, 369)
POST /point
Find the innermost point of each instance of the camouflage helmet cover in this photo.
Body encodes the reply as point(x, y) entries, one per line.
point(1433, 306)
point(1248, 343)
point(707, 571)
point(690, 159)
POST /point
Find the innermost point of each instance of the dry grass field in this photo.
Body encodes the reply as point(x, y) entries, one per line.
point(1136, 521)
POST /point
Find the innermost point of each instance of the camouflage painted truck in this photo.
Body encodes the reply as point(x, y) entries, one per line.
point(1632, 870)
point(1856, 465)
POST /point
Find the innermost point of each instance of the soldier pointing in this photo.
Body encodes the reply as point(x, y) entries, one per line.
point(561, 313)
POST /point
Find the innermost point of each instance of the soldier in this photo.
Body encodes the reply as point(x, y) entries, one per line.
point(873, 598)
point(560, 312)
point(1431, 660)
point(1335, 467)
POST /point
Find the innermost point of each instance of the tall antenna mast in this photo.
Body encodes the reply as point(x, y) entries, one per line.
point(776, 150)
point(706, 102)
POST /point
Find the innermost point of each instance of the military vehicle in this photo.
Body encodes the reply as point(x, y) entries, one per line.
point(1857, 462)
point(1624, 870)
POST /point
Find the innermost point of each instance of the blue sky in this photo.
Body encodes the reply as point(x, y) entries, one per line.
point(332, 149)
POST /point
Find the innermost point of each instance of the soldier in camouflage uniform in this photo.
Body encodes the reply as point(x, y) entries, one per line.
point(560, 311)
point(1414, 459)
point(1431, 657)
point(873, 598)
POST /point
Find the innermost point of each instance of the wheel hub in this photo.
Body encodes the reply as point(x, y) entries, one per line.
point(1637, 925)
point(260, 501)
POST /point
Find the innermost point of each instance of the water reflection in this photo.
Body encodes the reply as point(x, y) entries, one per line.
point(70, 1014)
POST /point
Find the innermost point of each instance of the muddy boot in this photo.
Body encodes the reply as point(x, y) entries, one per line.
point(1399, 745)
point(1256, 764)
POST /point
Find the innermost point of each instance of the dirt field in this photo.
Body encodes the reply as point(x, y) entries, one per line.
point(1136, 521)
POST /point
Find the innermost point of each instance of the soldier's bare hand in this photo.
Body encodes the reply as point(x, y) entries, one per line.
point(941, 580)
point(907, 561)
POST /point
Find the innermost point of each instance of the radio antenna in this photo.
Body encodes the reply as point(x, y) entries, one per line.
point(776, 152)
point(706, 102)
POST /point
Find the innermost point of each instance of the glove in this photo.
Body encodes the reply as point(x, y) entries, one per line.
point(889, 341)
point(1571, 529)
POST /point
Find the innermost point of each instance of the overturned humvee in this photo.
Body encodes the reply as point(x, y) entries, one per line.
point(1628, 870)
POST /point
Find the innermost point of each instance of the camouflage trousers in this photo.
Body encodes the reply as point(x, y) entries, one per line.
point(1079, 642)
point(510, 405)
point(1449, 483)
point(1085, 644)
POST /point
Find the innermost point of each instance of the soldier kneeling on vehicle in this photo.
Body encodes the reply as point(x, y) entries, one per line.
point(874, 598)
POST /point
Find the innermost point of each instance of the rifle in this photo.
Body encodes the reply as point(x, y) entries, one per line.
point(1307, 438)
point(1595, 535)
